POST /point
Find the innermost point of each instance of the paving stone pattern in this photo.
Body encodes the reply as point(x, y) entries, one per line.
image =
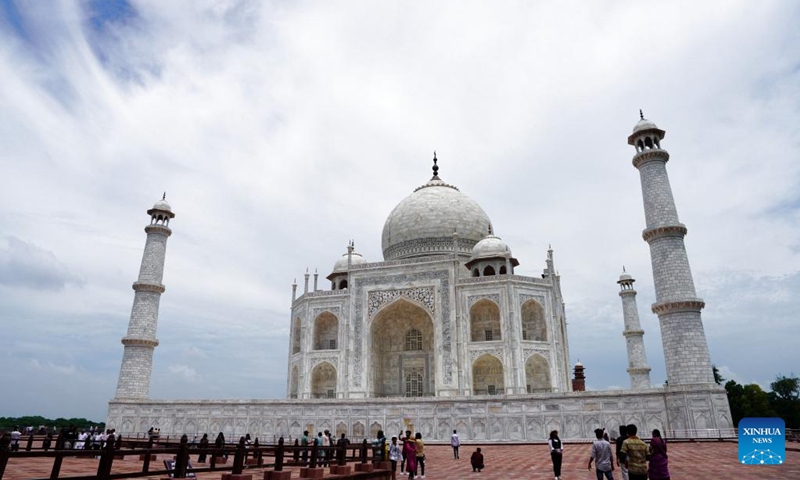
point(687, 461)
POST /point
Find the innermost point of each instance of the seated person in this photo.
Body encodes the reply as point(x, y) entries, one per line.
point(477, 460)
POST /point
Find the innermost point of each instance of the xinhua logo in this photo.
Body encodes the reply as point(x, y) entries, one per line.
point(762, 441)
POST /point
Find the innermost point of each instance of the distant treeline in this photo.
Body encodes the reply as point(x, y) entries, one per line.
point(7, 423)
point(783, 399)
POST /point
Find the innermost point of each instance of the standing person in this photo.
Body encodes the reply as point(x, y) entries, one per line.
point(623, 434)
point(634, 452)
point(379, 447)
point(659, 465)
point(320, 451)
point(47, 442)
point(219, 443)
point(97, 440)
point(420, 455)
point(477, 460)
point(556, 453)
point(82, 437)
point(342, 443)
point(16, 435)
point(203, 449)
point(395, 454)
point(402, 438)
point(602, 455)
point(410, 454)
point(326, 442)
point(304, 443)
point(455, 442)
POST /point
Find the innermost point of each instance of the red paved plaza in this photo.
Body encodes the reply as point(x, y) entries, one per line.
point(713, 460)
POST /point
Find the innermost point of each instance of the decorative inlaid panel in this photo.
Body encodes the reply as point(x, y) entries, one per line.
point(425, 296)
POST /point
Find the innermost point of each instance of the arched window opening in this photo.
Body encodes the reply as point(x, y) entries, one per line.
point(657, 142)
point(326, 331)
point(413, 339)
point(487, 376)
point(484, 317)
point(476, 273)
point(488, 271)
point(342, 284)
point(537, 374)
point(323, 381)
point(503, 270)
point(648, 142)
point(414, 384)
point(534, 326)
point(640, 145)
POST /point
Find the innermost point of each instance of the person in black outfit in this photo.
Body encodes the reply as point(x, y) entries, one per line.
point(203, 449)
point(556, 449)
point(477, 460)
point(623, 434)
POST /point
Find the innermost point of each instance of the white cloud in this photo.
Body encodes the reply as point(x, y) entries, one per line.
point(185, 372)
point(281, 131)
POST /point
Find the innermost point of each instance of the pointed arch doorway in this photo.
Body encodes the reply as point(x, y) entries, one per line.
point(402, 362)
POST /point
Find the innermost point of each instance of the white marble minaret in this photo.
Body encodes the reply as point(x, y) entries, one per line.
point(677, 305)
point(633, 333)
point(137, 358)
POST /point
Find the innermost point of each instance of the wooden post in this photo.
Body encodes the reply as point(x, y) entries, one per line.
point(238, 458)
point(364, 451)
point(296, 454)
point(106, 460)
point(312, 462)
point(182, 458)
point(342, 453)
point(257, 453)
point(146, 464)
point(279, 456)
point(29, 445)
point(3, 460)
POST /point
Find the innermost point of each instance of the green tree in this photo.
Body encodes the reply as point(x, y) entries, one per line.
point(718, 378)
point(747, 401)
point(784, 399)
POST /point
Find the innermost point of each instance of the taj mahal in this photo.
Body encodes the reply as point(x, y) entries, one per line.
point(443, 318)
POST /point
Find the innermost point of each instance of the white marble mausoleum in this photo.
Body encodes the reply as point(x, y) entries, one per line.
point(444, 318)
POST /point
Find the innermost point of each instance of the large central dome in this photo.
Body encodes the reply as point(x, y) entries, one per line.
point(423, 223)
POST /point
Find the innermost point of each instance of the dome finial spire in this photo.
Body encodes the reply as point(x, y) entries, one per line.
point(435, 167)
point(641, 115)
point(164, 197)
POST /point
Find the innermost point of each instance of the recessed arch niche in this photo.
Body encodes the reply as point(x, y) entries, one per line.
point(534, 326)
point(402, 359)
point(326, 331)
point(487, 376)
point(323, 381)
point(537, 374)
point(484, 321)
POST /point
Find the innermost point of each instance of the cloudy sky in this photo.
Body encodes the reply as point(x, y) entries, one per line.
point(281, 130)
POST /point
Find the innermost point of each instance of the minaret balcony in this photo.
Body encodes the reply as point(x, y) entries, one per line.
point(651, 155)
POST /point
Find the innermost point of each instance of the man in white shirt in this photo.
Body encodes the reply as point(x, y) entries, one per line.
point(455, 442)
point(602, 456)
point(16, 435)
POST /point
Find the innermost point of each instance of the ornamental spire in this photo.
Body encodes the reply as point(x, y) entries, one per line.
point(435, 167)
point(641, 115)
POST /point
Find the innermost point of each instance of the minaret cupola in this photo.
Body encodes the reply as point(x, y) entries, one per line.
point(161, 213)
point(646, 135)
point(491, 256)
point(342, 266)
